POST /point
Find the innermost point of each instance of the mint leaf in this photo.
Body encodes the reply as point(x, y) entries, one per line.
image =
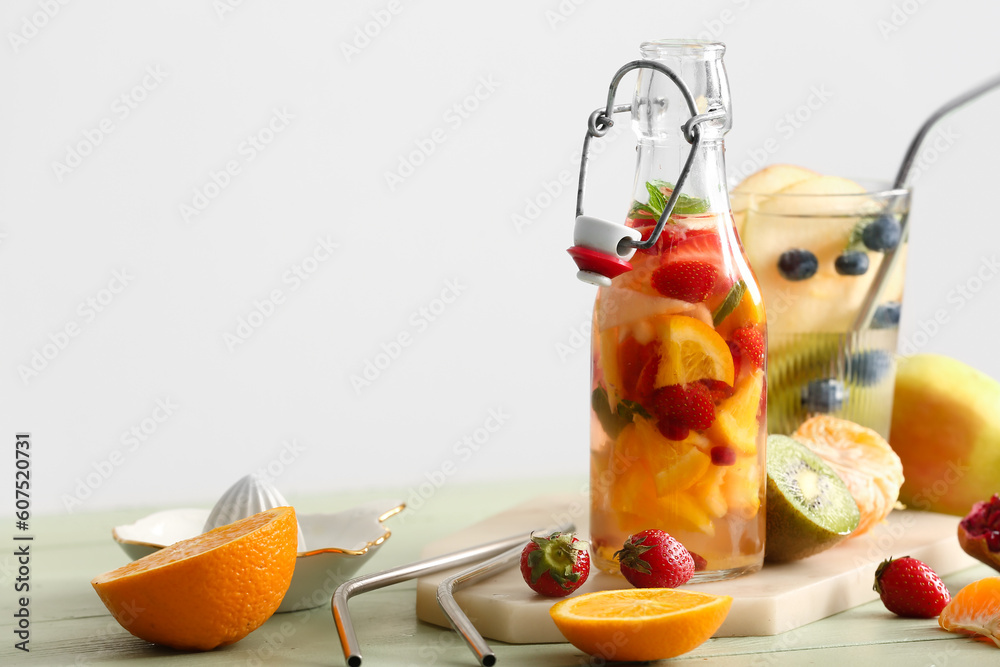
point(632, 408)
point(640, 210)
point(690, 205)
point(610, 422)
point(657, 202)
point(685, 204)
point(615, 422)
point(729, 304)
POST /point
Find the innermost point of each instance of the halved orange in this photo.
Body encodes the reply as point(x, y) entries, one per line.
point(691, 350)
point(210, 590)
point(872, 472)
point(975, 610)
point(640, 623)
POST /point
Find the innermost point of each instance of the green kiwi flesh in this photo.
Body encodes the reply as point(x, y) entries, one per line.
point(809, 508)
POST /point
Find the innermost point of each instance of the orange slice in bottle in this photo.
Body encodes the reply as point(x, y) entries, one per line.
point(872, 472)
point(690, 351)
point(975, 610)
point(640, 624)
point(735, 422)
point(750, 310)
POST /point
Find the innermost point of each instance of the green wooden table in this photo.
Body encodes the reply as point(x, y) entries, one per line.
point(70, 626)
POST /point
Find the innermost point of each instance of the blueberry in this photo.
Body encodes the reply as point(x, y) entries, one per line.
point(824, 395)
point(886, 315)
point(882, 234)
point(869, 367)
point(852, 263)
point(797, 264)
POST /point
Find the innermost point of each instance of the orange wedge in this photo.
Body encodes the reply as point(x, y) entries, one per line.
point(640, 623)
point(975, 610)
point(872, 472)
point(736, 417)
point(750, 310)
point(690, 351)
point(210, 590)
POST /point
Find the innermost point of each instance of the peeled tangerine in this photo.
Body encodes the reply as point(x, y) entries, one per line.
point(946, 430)
point(862, 458)
point(975, 610)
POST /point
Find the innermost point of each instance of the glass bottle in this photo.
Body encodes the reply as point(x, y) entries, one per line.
point(678, 393)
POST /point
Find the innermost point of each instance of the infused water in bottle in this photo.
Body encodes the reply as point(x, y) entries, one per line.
point(679, 344)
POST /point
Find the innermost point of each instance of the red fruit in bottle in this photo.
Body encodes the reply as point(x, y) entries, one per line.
point(722, 455)
point(685, 280)
point(689, 405)
point(751, 341)
point(633, 357)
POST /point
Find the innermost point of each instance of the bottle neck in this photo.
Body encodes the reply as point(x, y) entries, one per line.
point(659, 161)
point(659, 110)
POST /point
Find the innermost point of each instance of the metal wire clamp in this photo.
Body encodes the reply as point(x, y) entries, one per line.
point(601, 121)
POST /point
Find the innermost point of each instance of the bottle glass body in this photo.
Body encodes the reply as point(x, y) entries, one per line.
point(678, 391)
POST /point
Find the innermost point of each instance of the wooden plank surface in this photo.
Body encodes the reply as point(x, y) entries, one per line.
point(71, 627)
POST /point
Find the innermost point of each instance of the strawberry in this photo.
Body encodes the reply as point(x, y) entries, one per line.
point(646, 382)
point(685, 405)
point(751, 342)
point(653, 559)
point(555, 565)
point(697, 245)
point(717, 389)
point(690, 281)
point(734, 350)
point(908, 587)
point(672, 429)
point(679, 242)
point(633, 357)
point(700, 245)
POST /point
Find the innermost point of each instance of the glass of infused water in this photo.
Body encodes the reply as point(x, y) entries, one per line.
point(830, 257)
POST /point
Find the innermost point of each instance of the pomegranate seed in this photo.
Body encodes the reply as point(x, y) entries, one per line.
point(723, 456)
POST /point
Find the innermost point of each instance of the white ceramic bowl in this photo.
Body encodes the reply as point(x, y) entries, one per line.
point(348, 540)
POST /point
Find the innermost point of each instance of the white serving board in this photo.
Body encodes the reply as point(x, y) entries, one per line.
point(776, 599)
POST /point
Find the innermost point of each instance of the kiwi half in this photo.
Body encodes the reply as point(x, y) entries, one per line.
point(809, 508)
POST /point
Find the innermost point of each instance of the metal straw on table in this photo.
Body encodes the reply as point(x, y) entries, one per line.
point(459, 621)
point(370, 582)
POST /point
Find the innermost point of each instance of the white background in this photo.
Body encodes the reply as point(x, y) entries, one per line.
point(509, 341)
